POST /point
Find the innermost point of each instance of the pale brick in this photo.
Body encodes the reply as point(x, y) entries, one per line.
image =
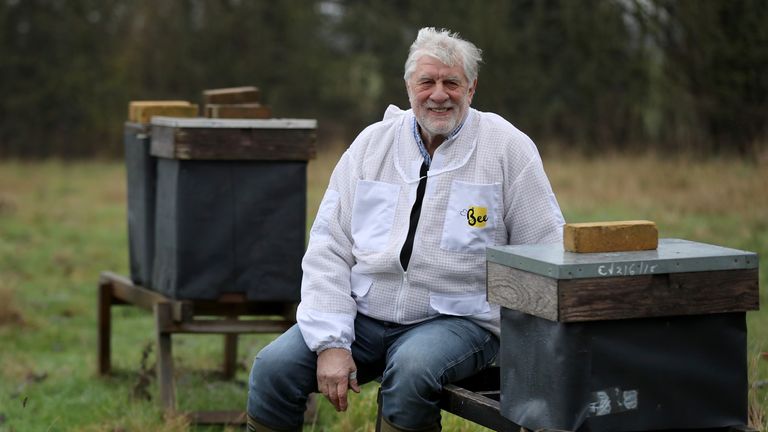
point(617, 236)
point(143, 111)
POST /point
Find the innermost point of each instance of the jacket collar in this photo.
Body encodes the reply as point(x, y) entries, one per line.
point(452, 154)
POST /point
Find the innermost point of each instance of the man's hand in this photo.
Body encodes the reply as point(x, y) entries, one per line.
point(333, 368)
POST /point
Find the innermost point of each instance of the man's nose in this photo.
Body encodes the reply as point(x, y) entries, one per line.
point(439, 95)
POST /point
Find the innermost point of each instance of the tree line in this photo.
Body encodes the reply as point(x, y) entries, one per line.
point(592, 75)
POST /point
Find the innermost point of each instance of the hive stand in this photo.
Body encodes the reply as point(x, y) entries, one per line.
point(180, 316)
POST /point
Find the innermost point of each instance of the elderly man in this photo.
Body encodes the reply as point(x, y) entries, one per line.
point(394, 274)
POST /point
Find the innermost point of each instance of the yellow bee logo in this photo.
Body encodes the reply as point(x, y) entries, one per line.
point(476, 216)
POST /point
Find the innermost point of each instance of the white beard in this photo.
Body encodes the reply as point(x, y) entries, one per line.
point(438, 127)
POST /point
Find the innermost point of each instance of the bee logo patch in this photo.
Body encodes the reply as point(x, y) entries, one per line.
point(472, 217)
point(476, 216)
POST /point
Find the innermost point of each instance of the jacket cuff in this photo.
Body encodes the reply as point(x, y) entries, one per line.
point(334, 345)
point(323, 330)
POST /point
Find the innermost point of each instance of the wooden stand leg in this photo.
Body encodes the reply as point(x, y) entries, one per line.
point(163, 320)
point(230, 354)
point(105, 328)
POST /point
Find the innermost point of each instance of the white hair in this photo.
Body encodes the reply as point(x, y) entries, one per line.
point(445, 46)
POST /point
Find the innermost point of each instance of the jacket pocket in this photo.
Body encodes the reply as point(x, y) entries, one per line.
point(471, 217)
point(360, 284)
point(373, 214)
point(459, 304)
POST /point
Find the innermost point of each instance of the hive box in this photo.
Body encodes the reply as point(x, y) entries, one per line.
point(141, 170)
point(623, 341)
point(140, 178)
point(230, 209)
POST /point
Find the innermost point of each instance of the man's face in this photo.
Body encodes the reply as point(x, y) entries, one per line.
point(440, 95)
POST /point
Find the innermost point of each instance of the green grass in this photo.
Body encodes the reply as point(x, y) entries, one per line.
point(61, 224)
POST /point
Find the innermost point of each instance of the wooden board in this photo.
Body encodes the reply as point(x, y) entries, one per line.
point(524, 291)
point(233, 143)
point(247, 111)
point(232, 95)
point(594, 299)
point(475, 407)
point(658, 295)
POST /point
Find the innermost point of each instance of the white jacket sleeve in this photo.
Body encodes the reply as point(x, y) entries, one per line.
point(326, 313)
point(533, 215)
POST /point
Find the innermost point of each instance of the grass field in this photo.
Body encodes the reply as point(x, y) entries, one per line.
point(63, 223)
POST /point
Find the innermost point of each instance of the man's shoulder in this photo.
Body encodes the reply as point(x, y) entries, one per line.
point(389, 125)
point(504, 136)
point(495, 122)
point(393, 119)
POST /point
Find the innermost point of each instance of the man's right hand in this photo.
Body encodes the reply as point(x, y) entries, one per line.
point(333, 368)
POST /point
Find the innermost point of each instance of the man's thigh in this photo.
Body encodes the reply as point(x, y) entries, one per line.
point(288, 359)
point(447, 348)
point(369, 350)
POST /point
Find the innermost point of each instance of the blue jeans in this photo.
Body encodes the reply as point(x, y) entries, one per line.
point(413, 362)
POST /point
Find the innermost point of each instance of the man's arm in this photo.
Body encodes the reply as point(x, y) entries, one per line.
point(327, 310)
point(533, 214)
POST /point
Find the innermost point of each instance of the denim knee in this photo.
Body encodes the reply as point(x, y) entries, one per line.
point(410, 368)
point(282, 377)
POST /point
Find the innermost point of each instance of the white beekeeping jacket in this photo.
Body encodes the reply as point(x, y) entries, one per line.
point(485, 186)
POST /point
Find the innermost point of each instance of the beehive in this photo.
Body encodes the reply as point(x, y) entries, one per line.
point(230, 207)
point(623, 341)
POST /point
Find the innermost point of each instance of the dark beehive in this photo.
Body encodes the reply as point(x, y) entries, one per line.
point(627, 341)
point(140, 178)
point(230, 207)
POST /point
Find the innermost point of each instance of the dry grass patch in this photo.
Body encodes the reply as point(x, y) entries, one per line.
point(757, 400)
point(649, 182)
point(7, 205)
point(722, 201)
point(9, 314)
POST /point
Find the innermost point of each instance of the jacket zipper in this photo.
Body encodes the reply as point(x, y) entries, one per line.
point(407, 249)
